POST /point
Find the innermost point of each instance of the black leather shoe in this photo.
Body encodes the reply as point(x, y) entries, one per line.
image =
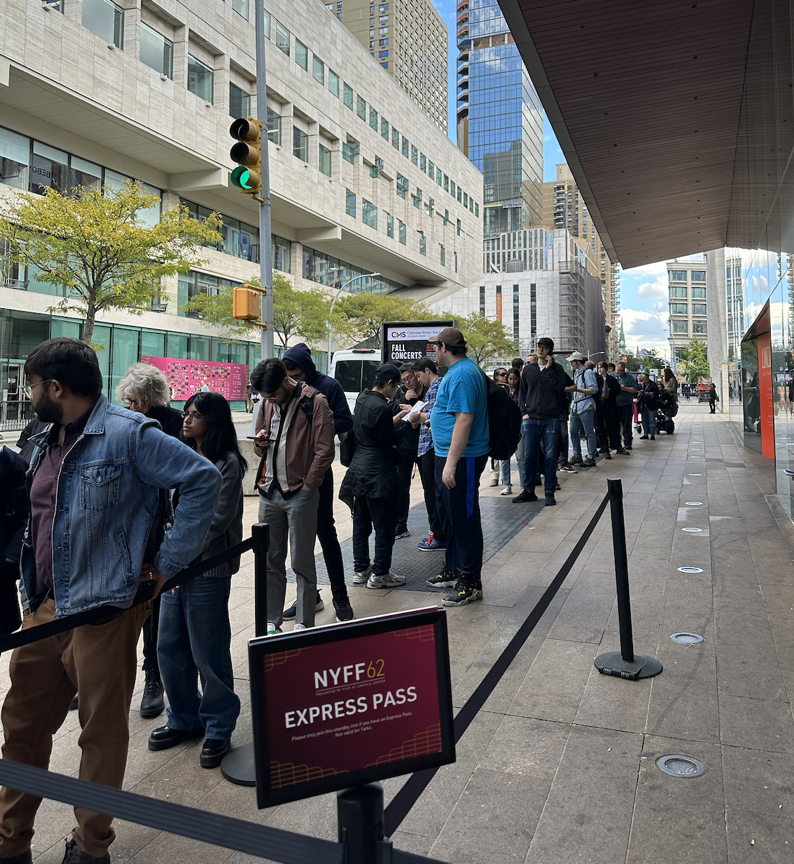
point(526, 495)
point(550, 500)
point(164, 738)
point(75, 855)
point(22, 858)
point(213, 751)
point(152, 703)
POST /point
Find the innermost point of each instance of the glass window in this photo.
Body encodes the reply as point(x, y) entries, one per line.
point(274, 126)
point(384, 128)
point(153, 343)
point(403, 234)
point(395, 138)
point(389, 225)
point(414, 155)
point(361, 108)
point(369, 213)
point(465, 200)
point(282, 253)
point(402, 186)
point(698, 293)
point(698, 275)
point(373, 118)
point(382, 31)
point(282, 38)
point(87, 174)
point(446, 183)
point(333, 82)
point(348, 96)
point(678, 308)
point(438, 176)
point(678, 275)
point(431, 170)
point(699, 328)
point(443, 256)
point(241, 7)
point(325, 161)
point(405, 147)
point(422, 162)
point(300, 144)
point(239, 101)
point(678, 291)
point(199, 78)
point(267, 25)
point(680, 326)
point(14, 159)
point(318, 69)
point(156, 51)
point(50, 168)
point(301, 55)
point(422, 243)
point(106, 19)
point(698, 308)
point(350, 149)
point(459, 227)
point(350, 203)
point(460, 193)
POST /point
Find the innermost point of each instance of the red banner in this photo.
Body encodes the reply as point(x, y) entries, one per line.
point(187, 377)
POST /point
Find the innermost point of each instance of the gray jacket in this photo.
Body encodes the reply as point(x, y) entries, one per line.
point(226, 528)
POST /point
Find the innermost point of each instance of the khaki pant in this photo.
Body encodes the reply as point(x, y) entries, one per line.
point(99, 662)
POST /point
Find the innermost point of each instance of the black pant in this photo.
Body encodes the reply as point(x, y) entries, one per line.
point(459, 512)
point(380, 513)
point(150, 627)
point(562, 439)
point(607, 427)
point(625, 421)
point(427, 472)
point(404, 470)
point(712, 408)
point(329, 542)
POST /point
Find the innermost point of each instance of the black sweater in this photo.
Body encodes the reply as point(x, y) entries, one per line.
point(542, 391)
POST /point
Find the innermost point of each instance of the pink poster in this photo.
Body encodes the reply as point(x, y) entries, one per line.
point(187, 377)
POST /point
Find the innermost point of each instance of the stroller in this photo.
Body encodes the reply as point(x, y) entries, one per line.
point(667, 409)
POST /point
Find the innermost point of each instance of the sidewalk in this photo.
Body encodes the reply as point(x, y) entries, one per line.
point(560, 766)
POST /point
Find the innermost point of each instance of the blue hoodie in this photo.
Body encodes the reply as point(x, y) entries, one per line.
point(300, 355)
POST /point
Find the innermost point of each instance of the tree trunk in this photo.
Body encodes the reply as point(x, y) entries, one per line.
point(88, 326)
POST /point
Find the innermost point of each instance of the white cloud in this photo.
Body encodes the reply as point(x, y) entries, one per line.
point(658, 306)
point(645, 329)
point(653, 289)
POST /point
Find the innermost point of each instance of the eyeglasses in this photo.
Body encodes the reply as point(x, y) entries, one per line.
point(28, 388)
point(192, 416)
point(501, 375)
point(132, 402)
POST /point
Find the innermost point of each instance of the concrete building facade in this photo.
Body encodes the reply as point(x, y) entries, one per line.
point(408, 38)
point(362, 180)
point(687, 304)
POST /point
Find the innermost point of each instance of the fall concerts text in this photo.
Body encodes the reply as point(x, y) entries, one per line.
point(348, 707)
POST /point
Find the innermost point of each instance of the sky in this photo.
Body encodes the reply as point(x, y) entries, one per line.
point(643, 290)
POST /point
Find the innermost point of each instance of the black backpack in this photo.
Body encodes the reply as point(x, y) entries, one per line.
point(504, 421)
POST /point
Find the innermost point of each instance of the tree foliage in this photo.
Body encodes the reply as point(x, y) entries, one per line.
point(695, 360)
point(95, 246)
point(361, 315)
point(487, 340)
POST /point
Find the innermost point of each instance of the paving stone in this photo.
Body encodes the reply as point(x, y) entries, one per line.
point(756, 723)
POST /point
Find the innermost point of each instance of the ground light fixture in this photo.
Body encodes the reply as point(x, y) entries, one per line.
point(692, 530)
point(690, 569)
point(680, 766)
point(685, 638)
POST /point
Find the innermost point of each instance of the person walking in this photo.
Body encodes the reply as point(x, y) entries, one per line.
point(650, 403)
point(583, 410)
point(459, 423)
point(144, 388)
point(427, 375)
point(108, 469)
point(541, 400)
point(295, 440)
point(300, 366)
point(194, 643)
point(370, 485)
point(408, 393)
point(713, 398)
point(625, 403)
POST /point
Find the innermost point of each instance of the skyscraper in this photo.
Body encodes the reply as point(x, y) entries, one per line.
point(409, 40)
point(499, 117)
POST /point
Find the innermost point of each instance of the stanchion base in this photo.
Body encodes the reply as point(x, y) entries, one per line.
point(238, 765)
point(613, 663)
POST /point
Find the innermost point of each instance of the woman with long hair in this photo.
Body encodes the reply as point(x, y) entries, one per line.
point(671, 382)
point(513, 382)
point(195, 634)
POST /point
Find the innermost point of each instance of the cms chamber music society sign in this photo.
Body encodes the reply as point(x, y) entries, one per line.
point(341, 705)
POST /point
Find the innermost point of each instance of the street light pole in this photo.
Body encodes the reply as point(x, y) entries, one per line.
point(333, 303)
point(265, 248)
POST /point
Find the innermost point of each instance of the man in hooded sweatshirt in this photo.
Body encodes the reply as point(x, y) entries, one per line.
point(300, 365)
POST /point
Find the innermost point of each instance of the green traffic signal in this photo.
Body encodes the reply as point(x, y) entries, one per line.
point(246, 153)
point(241, 177)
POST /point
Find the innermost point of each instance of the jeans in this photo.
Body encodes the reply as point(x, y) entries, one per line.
point(427, 472)
point(459, 511)
point(648, 421)
point(329, 542)
point(586, 421)
point(562, 438)
point(625, 419)
point(537, 434)
point(293, 518)
point(195, 645)
point(381, 514)
point(522, 470)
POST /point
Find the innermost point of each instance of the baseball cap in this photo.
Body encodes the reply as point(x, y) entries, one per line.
point(577, 356)
point(451, 337)
point(387, 372)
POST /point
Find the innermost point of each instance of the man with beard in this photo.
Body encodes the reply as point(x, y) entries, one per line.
point(97, 477)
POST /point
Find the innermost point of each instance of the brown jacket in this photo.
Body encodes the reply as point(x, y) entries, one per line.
point(309, 445)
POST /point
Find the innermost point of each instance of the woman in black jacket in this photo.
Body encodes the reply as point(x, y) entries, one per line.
point(371, 479)
point(195, 633)
point(607, 423)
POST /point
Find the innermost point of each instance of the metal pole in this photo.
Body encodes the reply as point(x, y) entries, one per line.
point(259, 532)
point(621, 568)
point(333, 303)
point(360, 816)
point(265, 240)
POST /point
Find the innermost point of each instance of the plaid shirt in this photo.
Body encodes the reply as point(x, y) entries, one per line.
point(425, 435)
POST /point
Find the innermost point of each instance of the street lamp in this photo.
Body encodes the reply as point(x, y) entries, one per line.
point(481, 318)
point(333, 303)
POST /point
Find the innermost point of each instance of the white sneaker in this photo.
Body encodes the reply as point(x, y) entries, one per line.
point(387, 580)
point(494, 481)
point(362, 577)
point(298, 627)
point(508, 490)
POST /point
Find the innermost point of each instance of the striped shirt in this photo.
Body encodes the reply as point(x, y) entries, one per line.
point(425, 435)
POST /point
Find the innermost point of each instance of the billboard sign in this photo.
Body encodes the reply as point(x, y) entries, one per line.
point(407, 341)
point(187, 377)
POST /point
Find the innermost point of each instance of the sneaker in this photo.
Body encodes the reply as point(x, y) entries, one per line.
point(152, 703)
point(385, 580)
point(401, 532)
point(75, 855)
point(445, 579)
point(494, 481)
point(588, 463)
point(344, 611)
point(298, 627)
point(575, 459)
point(463, 593)
point(622, 451)
point(643, 437)
point(431, 544)
point(272, 629)
point(653, 437)
point(550, 499)
point(361, 577)
point(526, 495)
point(627, 447)
point(292, 611)
point(567, 468)
point(607, 455)
point(508, 490)
point(557, 487)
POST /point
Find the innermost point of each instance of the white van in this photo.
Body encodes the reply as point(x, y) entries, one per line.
point(355, 370)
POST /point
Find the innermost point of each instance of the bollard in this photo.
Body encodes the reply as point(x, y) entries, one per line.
point(623, 663)
point(238, 765)
point(360, 814)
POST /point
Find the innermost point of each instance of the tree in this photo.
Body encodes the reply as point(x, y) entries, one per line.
point(95, 246)
point(295, 313)
point(632, 363)
point(486, 339)
point(695, 360)
point(361, 315)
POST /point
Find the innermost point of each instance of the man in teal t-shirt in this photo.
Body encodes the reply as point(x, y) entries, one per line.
point(459, 422)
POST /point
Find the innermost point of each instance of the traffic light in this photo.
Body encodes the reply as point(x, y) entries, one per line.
point(247, 153)
point(245, 303)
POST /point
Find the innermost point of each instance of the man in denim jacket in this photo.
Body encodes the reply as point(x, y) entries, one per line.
point(95, 489)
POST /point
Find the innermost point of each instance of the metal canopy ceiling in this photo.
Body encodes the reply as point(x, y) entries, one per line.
point(645, 100)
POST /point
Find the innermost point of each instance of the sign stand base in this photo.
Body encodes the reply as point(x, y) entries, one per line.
point(612, 663)
point(238, 765)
